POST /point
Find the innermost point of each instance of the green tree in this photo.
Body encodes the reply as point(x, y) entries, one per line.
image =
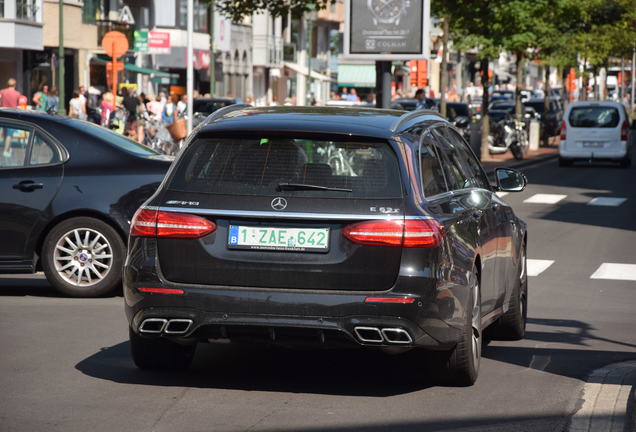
point(239, 9)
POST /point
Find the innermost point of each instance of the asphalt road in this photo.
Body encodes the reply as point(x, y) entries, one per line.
point(65, 363)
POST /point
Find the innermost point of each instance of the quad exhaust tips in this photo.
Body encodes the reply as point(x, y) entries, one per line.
point(389, 335)
point(162, 325)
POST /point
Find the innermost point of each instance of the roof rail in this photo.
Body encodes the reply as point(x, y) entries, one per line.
point(405, 118)
point(222, 111)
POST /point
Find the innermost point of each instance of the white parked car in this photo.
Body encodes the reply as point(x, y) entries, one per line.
point(595, 130)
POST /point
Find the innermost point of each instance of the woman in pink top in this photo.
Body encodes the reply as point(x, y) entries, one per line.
point(155, 107)
point(107, 108)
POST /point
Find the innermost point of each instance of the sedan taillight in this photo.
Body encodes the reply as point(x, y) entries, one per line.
point(163, 224)
point(409, 233)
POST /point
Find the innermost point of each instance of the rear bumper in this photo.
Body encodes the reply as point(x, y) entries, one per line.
point(616, 152)
point(296, 317)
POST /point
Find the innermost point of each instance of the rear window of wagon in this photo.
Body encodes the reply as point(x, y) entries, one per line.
point(257, 166)
point(594, 117)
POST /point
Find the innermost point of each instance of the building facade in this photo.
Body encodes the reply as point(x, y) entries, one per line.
point(21, 41)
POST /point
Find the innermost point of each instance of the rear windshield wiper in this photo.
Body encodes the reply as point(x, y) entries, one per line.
point(303, 186)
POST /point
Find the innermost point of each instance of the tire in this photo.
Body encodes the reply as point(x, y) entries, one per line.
point(512, 324)
point(626, 162)
point(463, 361)
point(517, 151)
point(83, 257)
point(159, 354)
point(564, 162)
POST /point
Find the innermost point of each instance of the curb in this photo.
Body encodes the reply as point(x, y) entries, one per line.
point(608, 400)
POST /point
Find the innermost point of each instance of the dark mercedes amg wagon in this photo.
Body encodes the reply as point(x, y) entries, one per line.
point(326, 226)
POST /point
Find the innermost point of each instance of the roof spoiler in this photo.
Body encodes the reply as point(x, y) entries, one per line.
point(222, 111)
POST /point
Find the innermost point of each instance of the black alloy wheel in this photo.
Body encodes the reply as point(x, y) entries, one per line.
point(463, 361)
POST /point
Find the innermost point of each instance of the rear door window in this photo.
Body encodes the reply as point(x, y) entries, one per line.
point(14, 142)
point(594, 117)
point(461, 171)
point(431, 170)
point(269, 166)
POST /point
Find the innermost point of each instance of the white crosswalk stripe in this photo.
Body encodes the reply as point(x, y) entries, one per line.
point(615, 271)
point(501, 194)
point(544, 198)
point(537, 266)
point(606, 201)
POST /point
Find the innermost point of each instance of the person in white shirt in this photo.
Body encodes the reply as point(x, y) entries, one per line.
point(182, 105)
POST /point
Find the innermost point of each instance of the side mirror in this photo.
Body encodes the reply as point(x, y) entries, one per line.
point(509, 180)
point(462, 122)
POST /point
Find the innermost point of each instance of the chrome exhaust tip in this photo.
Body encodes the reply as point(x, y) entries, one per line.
point(369, 334)
point(178, 326)
point(153, 325)
point(396, 336)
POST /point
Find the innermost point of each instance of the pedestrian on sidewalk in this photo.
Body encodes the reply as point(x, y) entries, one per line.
point(76, 108)
point(53, 102)
point(9, 96)
point(41, 97)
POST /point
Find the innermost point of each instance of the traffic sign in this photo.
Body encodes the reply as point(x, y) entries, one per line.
point(141, 41)
point(115, 44)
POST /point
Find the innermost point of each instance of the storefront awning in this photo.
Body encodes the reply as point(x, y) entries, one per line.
point(356, 76)
point(303, 71)
point(134, 68)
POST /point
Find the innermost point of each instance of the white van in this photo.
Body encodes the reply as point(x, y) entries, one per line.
point(594, 130)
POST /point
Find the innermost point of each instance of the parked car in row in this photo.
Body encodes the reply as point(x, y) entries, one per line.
point(595, 130)
point(68, 190)
point(550, 119)
point(326, 226)
point(457, 113)
point(204, 106)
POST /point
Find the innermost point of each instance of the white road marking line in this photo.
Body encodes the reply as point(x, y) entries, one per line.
point(501, 194)
point(537, 266)
point(615, 272)
point(608, 202)
point(544, 199)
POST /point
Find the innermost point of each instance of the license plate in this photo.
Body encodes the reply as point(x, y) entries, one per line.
point(592, 144)
point(280, 239)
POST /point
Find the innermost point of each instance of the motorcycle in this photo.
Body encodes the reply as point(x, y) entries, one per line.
point(508, 134)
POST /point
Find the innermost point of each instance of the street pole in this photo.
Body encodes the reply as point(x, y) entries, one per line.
point(212, 54)
point(190, 70)
point(60, 61)
point(383, 79)
point(309, 42)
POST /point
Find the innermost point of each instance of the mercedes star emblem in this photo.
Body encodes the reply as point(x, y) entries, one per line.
point(279, 203)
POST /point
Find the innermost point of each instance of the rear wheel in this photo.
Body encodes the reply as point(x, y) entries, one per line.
point(83, 257)
point(512, 324)
point(517, 151)
point(463, 361)
point(626, 162)
point(159, 354)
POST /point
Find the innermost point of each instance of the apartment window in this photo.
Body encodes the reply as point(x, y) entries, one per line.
point(26, 9)
point(200, 15)
point(90, 11)
point(165, 13)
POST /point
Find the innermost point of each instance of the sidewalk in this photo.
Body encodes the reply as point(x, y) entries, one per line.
point(532, 157)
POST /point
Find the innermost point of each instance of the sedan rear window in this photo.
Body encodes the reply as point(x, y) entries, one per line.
point(594, 117)
point(296, 167)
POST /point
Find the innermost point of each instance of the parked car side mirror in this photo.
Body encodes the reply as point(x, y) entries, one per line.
point(462, 122)
point(509, 180)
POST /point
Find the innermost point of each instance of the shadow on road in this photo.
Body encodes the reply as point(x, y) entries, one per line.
point(352, 372)
point(239, 367)
point(35, 286)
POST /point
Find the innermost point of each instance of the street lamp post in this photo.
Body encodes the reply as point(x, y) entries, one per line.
point(60, 60)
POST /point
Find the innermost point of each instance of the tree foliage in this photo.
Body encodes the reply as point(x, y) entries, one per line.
point(239, 9)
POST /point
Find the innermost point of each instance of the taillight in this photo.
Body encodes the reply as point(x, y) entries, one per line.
point(163, 224)
point(564, 131)
point(409, 233)
point(624, 131)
